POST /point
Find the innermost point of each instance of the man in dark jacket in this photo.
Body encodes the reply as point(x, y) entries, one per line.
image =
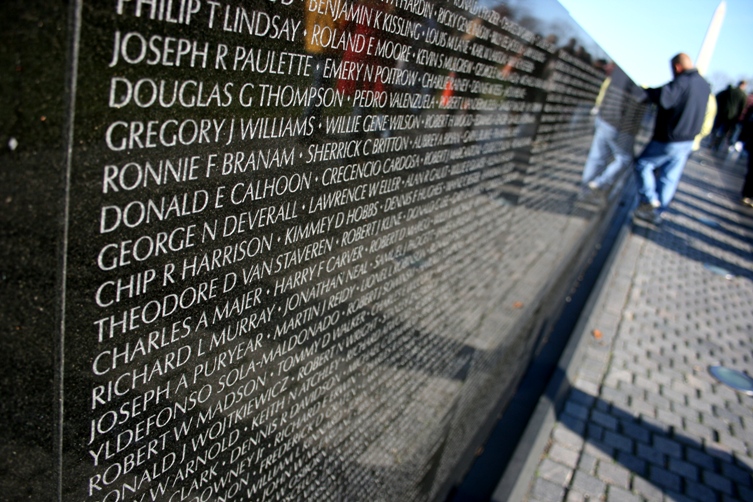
point(729, 108)
point(681, 107)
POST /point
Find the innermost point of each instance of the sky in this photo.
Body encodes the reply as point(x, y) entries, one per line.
point(643, 35)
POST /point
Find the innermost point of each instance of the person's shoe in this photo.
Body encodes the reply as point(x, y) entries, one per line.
point(592, 192)
point(647, 212)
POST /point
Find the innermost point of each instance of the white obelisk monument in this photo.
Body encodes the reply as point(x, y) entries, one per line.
point(709, 41)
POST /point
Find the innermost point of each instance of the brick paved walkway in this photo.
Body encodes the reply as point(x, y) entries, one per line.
point(644, 419)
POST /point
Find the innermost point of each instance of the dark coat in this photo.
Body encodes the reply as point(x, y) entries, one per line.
point(729, 104)
point(682, 106)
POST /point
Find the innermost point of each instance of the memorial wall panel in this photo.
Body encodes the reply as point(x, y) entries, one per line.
point(298, 248)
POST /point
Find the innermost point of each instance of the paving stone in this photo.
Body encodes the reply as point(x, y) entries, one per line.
point(613, 474)
point(671, 394)
point(618, 375)
point(745, 463)
point(647, 489)
point(594, 432)
point(686, 412)
point(648, 366)
point(567, 437)
point(714, 422)
point(546, 491)
point(741, 411)
point(588, 485)
point(604, 419)
point(586, 386)
point(670, 496)
point(684, 388)
point(635, 431)
point(700, 384)
point(744, 434)
point(599, 450)
point(658, 401)
point(682, 468)
point(578, 411)
point(745, 493)
point(631, 462)
point(717, 482)
point(700, 458)
point(726, 393)
point(699, 491)
point(647, 384)
point(622, 415)
point(575, 496)
point(713, 399)
point(664, 362)
point(727, 415)
point(618, 441)
point(686, 438)
point(581, 398)
point(563, 455)
point(655, 426)
point(587, 463)
point(577, 425)
point(617, 494)
point(738, 475)
point(676, 375)
point(642, 408)
point(614, 396)
point(719, 450)
point(556, 473)
point(699, 430)
point(668, 446)
point(669, 418)
point(602, 405)
point(736, 444)
point(650, 454)
point(665, 479)
point(663, 379)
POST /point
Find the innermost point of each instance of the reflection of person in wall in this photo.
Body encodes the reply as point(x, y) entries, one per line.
point(681, 107)
point(617, 122)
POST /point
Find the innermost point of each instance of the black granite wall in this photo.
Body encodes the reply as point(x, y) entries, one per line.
point(283, 250)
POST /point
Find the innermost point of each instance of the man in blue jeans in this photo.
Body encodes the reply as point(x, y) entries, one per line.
point(681, 107)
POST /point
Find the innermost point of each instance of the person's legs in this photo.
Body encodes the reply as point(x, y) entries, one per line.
point(598, 153)
point(717, 133)
point(670, 171)
point(748, 186)
point(653, 155)
point(621, 146)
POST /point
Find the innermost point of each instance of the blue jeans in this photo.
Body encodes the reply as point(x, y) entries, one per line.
point(607, 142)
point(658, 170)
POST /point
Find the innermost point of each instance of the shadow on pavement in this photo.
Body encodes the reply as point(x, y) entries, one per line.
point(601, 449)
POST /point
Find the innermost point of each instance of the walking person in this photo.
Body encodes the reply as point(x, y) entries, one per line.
point(681, 107)
point(746, 136)
point(729, 107)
